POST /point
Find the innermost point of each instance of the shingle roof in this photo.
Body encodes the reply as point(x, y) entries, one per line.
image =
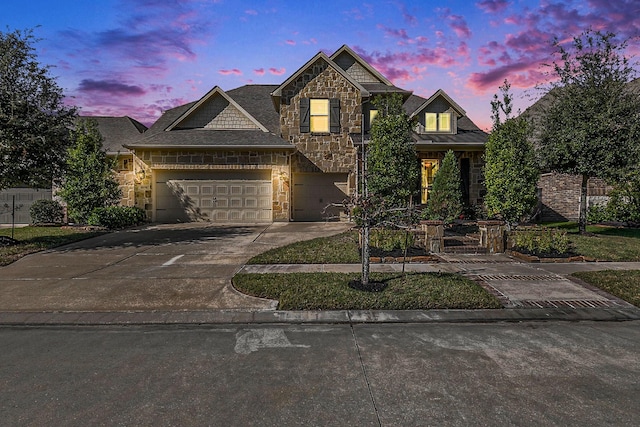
point(468, 133)
point(207, 138)
point(256, 100)
point(118, 131)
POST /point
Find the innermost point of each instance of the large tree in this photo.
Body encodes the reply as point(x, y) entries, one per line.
point(34, 122)
point(88, 181)
point(511, 172)
point(445, 198)
point(591, 125)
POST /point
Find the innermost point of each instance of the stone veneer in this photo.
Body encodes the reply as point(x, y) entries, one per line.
point(322, 152)
point(214, 160)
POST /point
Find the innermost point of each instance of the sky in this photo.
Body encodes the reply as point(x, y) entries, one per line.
point(141, 57)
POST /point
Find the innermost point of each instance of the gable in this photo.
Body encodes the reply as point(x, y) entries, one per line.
point(217, 111)
point(355, 69)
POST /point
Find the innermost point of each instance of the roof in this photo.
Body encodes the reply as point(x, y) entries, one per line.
point(346, 49)
point(468, 134)
point(207, 138)
point(443, 94)
point(117, 131)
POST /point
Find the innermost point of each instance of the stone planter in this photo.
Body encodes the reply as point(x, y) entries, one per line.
point(433, 235)
point(493, 236)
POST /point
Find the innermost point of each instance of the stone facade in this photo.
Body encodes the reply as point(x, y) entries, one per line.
point(322, 152)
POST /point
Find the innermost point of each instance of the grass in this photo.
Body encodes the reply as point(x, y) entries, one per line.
point(34, 239)
point(338, 249)
point(603, 243)
point(623, 284)
point(330, 291)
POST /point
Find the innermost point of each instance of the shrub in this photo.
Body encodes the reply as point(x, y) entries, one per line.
point(541, 241)
point(116, 216)
point(389, 240)
point(46, 212)
point(445, 198)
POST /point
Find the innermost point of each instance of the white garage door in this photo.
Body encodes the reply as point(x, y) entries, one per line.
point(235, 197)
point(313, 192)
point(21, 199)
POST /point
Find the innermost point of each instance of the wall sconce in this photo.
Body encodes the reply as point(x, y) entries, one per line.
point(140, 175)
point(284, 177)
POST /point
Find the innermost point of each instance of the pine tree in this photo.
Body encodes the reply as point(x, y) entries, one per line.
point(445, 198)
point(88, 181)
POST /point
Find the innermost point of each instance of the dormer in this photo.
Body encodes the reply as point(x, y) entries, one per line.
point(216, 111)
point(438, 115)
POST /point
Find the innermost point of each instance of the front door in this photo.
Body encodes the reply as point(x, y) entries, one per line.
point(429, 169)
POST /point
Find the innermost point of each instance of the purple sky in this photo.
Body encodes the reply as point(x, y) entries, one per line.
point(140, 57)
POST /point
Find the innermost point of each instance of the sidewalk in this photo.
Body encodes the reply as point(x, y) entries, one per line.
point(529, 292)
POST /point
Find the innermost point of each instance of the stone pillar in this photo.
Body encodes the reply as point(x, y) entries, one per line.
point(492, 236)
point(433, 235)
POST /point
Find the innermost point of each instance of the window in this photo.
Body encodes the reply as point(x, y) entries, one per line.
point(437, 122)
point(372, 115)
point(319, 114)
point(428, 173)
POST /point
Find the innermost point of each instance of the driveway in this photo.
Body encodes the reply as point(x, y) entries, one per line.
point(157, 267)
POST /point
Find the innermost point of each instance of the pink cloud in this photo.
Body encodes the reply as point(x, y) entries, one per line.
point(290, 42)
point(408, 17)
point(251, 12)
point(277, 72)
point(459, 26)
point(259, 71)
point(493, 6)
point(233, 71)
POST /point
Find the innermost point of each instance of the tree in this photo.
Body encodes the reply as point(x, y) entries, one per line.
point(511, 173)
point(88, 181)
point(34, 123)
point(391, 177)
point(591, 126)
point(445, 198)
point(393, 170)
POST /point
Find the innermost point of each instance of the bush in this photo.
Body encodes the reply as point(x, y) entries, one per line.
point(389, 240)
point(116, 216)
point(541, 241)
point(46, 212)
point(445, 199)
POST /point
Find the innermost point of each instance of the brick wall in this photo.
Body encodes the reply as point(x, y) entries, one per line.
point(560, 195)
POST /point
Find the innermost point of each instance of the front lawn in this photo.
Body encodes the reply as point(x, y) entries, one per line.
point(34, 239)
point(603, 243)
point(623, 284)
point(330, 291)
point(339, 249)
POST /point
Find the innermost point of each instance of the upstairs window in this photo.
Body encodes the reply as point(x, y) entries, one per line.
point(437, 122)
point(319, 115)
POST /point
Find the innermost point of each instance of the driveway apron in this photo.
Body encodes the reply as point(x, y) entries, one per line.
point(158, 267)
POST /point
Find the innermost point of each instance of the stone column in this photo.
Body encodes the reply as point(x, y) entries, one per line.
point(492, 236)
point(433, 235)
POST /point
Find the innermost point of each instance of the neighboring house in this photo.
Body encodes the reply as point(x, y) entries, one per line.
point(559, 194)
point(117, 132)
point(263, 153)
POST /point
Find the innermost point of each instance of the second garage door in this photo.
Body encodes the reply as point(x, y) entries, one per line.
point(230, 197)
point(314, 192)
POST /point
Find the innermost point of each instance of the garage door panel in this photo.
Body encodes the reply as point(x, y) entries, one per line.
point(313, 192)
point(217, 200)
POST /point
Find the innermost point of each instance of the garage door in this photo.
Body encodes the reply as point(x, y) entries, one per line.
point(313, 192)
point(235, 197)
point(24, 198)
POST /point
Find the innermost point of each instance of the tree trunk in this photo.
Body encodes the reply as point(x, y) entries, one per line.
point(582, 221)
point(366, 251)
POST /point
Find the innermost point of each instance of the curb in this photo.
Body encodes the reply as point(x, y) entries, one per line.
point(219, 317)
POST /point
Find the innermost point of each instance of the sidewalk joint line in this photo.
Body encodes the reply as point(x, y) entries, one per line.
point(364, 371)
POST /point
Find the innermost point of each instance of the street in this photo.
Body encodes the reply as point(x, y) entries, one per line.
point(536, 373)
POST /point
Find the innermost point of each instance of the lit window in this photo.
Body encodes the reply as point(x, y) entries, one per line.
point(444, 122)
point(319, 115)
point(372, 115)
point(437, 122)
point(431, 122)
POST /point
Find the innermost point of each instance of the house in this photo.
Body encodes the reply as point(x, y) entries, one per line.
point(263, 153)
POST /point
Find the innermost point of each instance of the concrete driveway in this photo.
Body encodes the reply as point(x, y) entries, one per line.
point(157, 267)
